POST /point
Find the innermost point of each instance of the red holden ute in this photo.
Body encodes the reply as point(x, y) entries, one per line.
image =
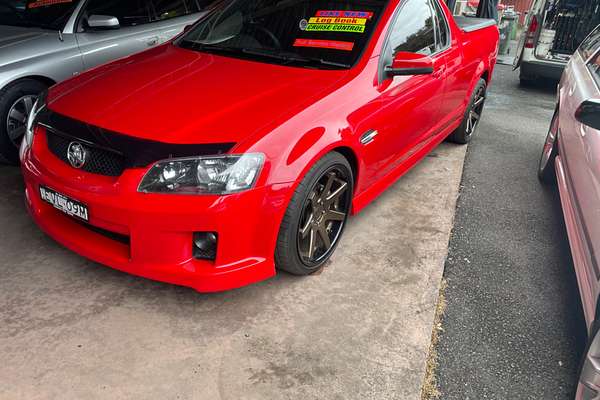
point(243, 145)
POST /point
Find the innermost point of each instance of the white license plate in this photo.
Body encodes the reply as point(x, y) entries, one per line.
point(63, 203)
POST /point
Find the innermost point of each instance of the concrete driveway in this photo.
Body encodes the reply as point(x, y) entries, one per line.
point(72, 329)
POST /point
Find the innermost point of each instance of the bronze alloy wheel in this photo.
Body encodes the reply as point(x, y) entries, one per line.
point(476, 110)
point(324, 214)
point(472, 116)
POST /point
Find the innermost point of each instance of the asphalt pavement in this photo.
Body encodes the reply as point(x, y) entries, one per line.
point(513, 327)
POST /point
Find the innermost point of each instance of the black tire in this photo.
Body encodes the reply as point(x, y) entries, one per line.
point(591, 335)
point(464, 133)
point(9, 151)
point(288, 250)
point(546, 167)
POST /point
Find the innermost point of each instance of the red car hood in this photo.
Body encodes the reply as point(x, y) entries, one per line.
point(174, 95)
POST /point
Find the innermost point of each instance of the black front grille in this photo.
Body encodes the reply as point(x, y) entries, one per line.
point(110, 153)
point(99, 161)
point(117, 237)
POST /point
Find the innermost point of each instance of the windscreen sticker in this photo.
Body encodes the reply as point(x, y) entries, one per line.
point(345, 14)
point(337, 21)
point(325, 44)
point(46, 3)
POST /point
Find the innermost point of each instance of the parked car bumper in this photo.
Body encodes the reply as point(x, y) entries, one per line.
point(540, 69)
point(158, 229)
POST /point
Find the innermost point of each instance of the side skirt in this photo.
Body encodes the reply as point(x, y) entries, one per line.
point(366, 197)
point(577, 244)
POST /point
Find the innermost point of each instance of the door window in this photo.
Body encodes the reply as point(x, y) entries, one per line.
point(590, 44)
point(167, 9)
point(128, 12)
point(442, 32)
point(413, 30)
point(36, 13)
point(594, 67)
point(198, 5)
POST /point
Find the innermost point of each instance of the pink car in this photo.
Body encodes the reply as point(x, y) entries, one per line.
point(571, 157)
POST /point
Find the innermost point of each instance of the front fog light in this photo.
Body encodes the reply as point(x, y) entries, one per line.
point(205, 245)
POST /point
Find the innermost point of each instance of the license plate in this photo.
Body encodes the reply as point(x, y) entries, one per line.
point(65, 204)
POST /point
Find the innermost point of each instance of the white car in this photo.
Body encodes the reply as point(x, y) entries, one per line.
point(554, 29)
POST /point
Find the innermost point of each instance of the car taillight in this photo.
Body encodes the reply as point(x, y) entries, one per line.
point(530, 38)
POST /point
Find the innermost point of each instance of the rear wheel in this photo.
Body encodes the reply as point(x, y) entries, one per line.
point(546, 171)
point(16, 101)
point(470, 123)
point(589, 374)
point(316, 216)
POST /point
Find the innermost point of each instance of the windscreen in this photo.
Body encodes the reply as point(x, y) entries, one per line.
point(319, 34)
point(48, 14)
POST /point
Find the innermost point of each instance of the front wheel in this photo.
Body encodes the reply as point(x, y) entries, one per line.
point(546, 171)
point(16, 102)
point(468, 127)
point(316, 216)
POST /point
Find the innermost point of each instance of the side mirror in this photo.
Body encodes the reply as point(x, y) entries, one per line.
point(103, 22)
point(405, 63)
point(588, 113)
point(188, 27)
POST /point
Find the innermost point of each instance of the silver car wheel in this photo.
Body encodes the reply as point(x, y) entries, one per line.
point(16, 121)
point(549, 144)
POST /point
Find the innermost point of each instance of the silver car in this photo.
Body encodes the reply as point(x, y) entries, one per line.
point(43, 42)
point(570, 158)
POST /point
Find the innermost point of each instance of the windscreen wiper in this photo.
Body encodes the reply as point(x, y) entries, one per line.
point(292, 57)
point(327, 62)
point(211, 47)
point(285, 57)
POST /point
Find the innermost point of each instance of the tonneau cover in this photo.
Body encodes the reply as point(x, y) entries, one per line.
point(470, 24)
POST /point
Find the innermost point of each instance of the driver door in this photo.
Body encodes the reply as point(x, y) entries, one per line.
point(408, 107)
point(134, 34)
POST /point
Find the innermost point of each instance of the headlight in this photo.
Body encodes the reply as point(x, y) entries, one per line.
point(203, 175)
point(38, 106)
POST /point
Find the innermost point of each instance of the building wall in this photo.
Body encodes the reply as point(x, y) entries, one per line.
point(521, 6)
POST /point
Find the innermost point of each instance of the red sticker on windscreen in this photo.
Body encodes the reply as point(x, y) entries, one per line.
point(324, 44)
point(345, 14)
point(46, 3)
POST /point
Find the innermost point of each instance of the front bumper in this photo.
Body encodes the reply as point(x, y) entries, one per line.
point(158, 228)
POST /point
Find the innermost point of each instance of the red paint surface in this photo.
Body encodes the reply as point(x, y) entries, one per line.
point(292, 115)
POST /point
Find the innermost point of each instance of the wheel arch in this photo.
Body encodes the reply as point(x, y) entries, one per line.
point(340, 146)
point(349, 155)
point(595, 324)
point(486, 76)
point(482, 72)
point(39, 78)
